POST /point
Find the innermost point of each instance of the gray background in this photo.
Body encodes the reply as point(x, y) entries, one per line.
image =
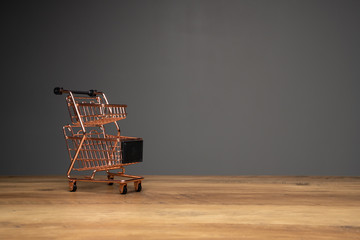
point(213, 87)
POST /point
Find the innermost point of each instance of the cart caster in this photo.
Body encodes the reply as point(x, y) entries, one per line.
point(110, 178)
point(72, 186)
point(137, 186)
point(123, 189)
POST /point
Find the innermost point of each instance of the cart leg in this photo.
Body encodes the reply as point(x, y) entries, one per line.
point(72, 186)
point(110, 177)
point(123, 188)
point(137, 185)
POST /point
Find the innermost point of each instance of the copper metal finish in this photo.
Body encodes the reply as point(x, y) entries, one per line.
point(90, 147)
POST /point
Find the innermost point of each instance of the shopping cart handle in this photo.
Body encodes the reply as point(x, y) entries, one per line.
point(91, 93)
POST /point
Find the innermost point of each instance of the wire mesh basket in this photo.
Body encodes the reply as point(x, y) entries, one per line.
point(92, 112)
point(99, 152)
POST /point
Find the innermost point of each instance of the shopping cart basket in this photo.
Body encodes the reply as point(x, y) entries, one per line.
point(91, 148)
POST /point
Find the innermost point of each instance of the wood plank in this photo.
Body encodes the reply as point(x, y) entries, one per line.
point(182, 207)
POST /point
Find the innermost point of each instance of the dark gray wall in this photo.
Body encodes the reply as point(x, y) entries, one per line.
point(214, 87)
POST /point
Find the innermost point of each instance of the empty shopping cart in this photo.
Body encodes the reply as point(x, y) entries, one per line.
point(90, 148)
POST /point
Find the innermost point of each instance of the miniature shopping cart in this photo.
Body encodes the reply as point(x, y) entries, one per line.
point(90, 148)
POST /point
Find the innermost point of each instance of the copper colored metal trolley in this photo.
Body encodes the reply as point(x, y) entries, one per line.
point(91, 148)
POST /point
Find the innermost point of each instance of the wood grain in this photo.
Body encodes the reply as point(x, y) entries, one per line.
point(182, 207)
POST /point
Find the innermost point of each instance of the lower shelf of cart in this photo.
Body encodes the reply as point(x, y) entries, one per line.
point(103, 168)
point(88, 179)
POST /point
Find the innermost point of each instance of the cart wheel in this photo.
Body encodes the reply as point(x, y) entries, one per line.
point(110, 178)
point(138, 186)
point(72, 186)
point(123, 189)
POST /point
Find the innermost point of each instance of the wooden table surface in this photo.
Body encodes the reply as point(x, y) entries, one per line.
point(182, 207)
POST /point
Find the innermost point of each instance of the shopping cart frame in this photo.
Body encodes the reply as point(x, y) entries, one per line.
point(95, 150)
